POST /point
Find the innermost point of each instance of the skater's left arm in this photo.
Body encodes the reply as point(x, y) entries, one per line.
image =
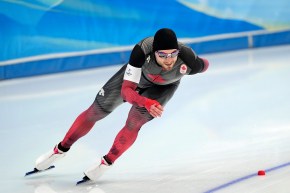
point(131, 80)
point(197, 64)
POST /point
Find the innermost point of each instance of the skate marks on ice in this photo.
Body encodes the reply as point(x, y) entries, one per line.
point(60, 183)
point(50, 188)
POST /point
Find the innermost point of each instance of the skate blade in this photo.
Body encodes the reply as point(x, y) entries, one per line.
point(35, 171)
point(84, 180)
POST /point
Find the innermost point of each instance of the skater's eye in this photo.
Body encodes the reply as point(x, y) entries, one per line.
point(167, 55)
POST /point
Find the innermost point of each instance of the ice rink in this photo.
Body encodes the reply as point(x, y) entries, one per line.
point(220, 128)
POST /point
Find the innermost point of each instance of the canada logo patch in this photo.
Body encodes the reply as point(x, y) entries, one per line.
point(183, 69)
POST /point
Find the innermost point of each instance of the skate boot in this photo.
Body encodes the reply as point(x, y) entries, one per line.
point(95, 171)
point(47, 159)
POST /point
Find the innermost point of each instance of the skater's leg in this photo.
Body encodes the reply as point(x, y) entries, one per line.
point(107, 99)
point(137, 117)
point(105, 102)
point(83, 124)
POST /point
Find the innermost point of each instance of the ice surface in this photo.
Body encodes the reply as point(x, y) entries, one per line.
point(220, 127)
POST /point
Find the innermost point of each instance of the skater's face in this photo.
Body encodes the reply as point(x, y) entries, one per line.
point(166, 58)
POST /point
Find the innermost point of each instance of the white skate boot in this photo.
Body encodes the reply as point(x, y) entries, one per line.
point(47, 159)
point(95, 171)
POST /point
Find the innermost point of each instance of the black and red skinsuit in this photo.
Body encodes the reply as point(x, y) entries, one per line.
point(140, 79)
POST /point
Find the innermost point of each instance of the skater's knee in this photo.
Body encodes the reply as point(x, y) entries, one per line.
point(95, 112)
point(133, 125)
point(136, 122)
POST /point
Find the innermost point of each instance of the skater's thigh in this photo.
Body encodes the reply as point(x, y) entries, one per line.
point(109, 96)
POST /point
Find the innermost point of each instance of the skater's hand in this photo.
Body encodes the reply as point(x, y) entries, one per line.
point(153, 107)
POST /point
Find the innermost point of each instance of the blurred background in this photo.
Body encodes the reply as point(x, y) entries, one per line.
point(48, 36)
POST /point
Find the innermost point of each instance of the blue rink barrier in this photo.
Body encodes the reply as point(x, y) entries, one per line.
point(63, 62)
point(55, 64)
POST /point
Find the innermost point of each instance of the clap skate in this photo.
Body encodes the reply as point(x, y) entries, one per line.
point(95, 171)
point(45, 161)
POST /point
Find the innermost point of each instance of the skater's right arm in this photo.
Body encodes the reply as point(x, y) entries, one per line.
point(132, 77)
point(130, 95)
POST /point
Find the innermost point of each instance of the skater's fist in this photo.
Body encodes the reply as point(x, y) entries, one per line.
point(153, 107)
